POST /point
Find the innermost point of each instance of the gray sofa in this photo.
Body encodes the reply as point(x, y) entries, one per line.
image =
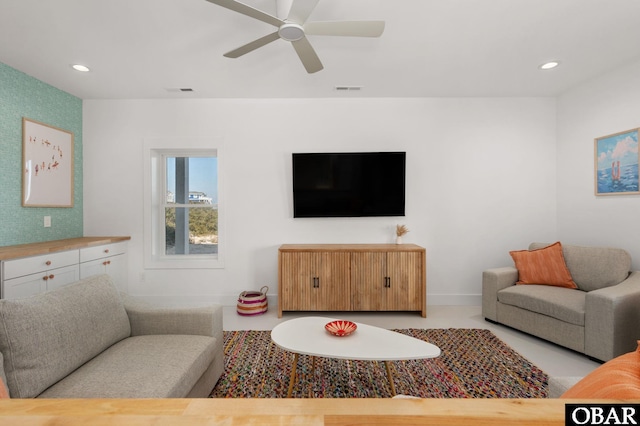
point(86, 340)
point(600, 319)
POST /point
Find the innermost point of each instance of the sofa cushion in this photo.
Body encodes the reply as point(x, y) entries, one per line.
point(543, 266)
point(153, 366)
point(45, 337)
point(618, 378)
point(594, 267)
point(557, 302)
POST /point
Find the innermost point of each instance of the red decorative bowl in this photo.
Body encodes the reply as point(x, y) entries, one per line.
point(340, 328)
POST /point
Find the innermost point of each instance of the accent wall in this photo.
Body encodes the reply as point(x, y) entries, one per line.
point(24, 96)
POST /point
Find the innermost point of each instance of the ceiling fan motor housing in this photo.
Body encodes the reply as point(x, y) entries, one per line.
point(291, 31)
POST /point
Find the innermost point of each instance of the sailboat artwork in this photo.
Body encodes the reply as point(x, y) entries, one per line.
point(617, 163)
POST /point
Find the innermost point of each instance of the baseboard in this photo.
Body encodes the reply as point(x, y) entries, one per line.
point(454, 299)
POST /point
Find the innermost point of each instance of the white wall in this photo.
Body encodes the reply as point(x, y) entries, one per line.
point(481, 181)
point(602, 107)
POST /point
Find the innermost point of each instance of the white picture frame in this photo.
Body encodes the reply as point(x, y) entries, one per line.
point(47, 165)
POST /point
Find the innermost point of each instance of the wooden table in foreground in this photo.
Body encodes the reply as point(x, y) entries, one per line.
point(267, 412)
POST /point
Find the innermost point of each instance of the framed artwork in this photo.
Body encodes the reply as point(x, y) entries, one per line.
point(616, 163)
point(47, 165)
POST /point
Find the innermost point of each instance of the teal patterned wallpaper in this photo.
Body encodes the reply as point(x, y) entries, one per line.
point(25, 96)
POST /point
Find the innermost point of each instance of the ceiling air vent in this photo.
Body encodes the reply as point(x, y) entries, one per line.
point(348, 88)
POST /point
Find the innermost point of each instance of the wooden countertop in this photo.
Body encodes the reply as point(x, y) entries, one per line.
point(34, 249)
point(239, 412)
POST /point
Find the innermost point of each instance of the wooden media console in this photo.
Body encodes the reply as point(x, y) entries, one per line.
point(352, 277)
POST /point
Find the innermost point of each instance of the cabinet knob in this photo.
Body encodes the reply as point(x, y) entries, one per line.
point(48, 263)
point(51, 276)
point(106, 250)
point(45, 278)
point(106, 262)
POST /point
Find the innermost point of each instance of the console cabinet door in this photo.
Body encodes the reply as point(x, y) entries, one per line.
point(368, 272)
point(404, 285)
point(333, 290)
point(314, 281)
point(296, 280)
point(386, 281)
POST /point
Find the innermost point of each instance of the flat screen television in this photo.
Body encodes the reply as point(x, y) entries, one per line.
point(348, 184)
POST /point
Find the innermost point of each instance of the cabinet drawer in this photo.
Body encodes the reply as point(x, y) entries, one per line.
point(33, 284)
point(99, 252)
point(31, 265)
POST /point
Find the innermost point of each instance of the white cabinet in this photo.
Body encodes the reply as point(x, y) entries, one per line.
point(36, 274)
point(36, 268)
point(106, 259)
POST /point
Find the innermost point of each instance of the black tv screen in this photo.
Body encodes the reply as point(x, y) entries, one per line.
point(348, 184)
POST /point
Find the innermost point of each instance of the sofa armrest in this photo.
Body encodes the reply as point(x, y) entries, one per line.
point(147, 319)
point(494, 280)
point(612, 319)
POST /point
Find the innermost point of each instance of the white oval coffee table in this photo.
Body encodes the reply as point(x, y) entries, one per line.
point(308, 336)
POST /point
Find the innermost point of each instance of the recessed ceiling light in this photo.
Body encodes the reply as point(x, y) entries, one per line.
point(549, 65)
point(80, 68)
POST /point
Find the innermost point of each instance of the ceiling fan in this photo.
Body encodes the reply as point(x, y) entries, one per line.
point(295, 29)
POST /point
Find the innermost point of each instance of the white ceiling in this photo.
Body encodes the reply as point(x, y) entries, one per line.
point(430, 48)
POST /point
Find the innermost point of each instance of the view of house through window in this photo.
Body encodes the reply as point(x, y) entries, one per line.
point(191, 206)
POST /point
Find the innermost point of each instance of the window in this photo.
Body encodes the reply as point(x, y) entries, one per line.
point(183, 213)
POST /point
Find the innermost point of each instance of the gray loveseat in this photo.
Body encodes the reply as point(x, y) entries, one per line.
point(600, 319)
point(86, 340)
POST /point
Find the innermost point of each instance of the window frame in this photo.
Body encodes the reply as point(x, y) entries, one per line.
point(156, 153)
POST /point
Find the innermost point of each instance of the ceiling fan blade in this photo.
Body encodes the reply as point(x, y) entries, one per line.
point(300, 10)
point(249, 11)
point(307, 55)
point(250, 47)
point(345, 28)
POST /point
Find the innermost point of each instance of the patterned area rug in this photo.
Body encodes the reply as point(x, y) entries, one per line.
point(474, 364)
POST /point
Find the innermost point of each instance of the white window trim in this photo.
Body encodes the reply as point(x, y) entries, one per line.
point(155, 150)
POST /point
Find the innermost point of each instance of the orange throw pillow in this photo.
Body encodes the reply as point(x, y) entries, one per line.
point(4, 393)
point(615, 379)
point(543, 266)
